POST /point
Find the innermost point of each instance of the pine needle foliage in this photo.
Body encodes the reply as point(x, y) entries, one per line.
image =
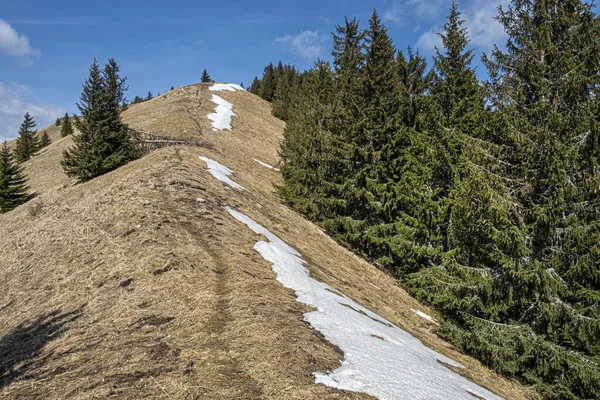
point(206, 77)
point(27, 142)
point(13, 182)
point(66, 127)
point(45, 140)
point(104, 143)
point(277, 85)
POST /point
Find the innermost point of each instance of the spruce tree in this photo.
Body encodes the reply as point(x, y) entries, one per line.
point(205, 77)
point(545, 298)
point(149, 96)
point(255, 86)
point(378, 100)
point(116, 84)
point(456, 116)
point(45, 139)
point(286, 85)
point(104, 143)
point(13, 183)
point(268, 83)
point(455, 87)
point(57, 123)
point(337, 201)
point(27, 142)
point(403, 241)
point(414, 86)
point(67, 126)
point(306, 144)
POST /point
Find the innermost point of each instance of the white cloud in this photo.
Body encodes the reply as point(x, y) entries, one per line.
point(306, 44)
point(423, 9)
point(428, 8)
point(394, 14)
point(14, 44)
point(484, 31)
point(391, 16)
point(429, 40)
point(15, 101)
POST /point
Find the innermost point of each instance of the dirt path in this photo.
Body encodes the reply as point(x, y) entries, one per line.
point(230, 379)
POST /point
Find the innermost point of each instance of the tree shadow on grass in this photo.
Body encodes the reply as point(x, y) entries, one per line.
point(21, 348)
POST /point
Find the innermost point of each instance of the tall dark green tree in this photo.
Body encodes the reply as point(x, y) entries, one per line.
point(149, 96)
point(67, 126)
point(455, 88)
point(268, 83)
point(254, 86)
point(379, 86)
point(339, 196)
point(458, 105)
point(543, 88)
point(457, 116)
point(27, 141)
point(414, 85)
point(104, 143)
point(57, 123)
point(374, 127)
point(116, 84)
point(307, 141)
point(286, 86)
point(13, 183)
point(206, 77)
point(402, 241)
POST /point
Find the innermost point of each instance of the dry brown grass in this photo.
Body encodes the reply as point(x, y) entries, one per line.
point(126, 287)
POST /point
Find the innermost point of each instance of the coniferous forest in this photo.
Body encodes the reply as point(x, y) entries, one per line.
point(482, 198)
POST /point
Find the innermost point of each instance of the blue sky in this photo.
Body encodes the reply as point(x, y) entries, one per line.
point(47, 47)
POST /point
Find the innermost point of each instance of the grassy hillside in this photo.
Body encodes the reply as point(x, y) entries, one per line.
point(138, 284)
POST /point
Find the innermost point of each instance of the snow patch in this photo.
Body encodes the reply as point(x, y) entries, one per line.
point(258, 205)
point(221, 118)
point(221, 172)
point(374, 285)
point(380, 359)
point(230, 87)
point(266, 165)
point(423, 315)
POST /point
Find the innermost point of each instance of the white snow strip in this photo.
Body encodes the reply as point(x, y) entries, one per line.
point(221, 172)
point(230, 87)
point(423, 315)
point(221, 118)
point(266, 165)
point(380, 359)
point(258, 205)
point(374, 285)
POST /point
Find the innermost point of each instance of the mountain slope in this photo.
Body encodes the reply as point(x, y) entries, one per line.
point(140, 284)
